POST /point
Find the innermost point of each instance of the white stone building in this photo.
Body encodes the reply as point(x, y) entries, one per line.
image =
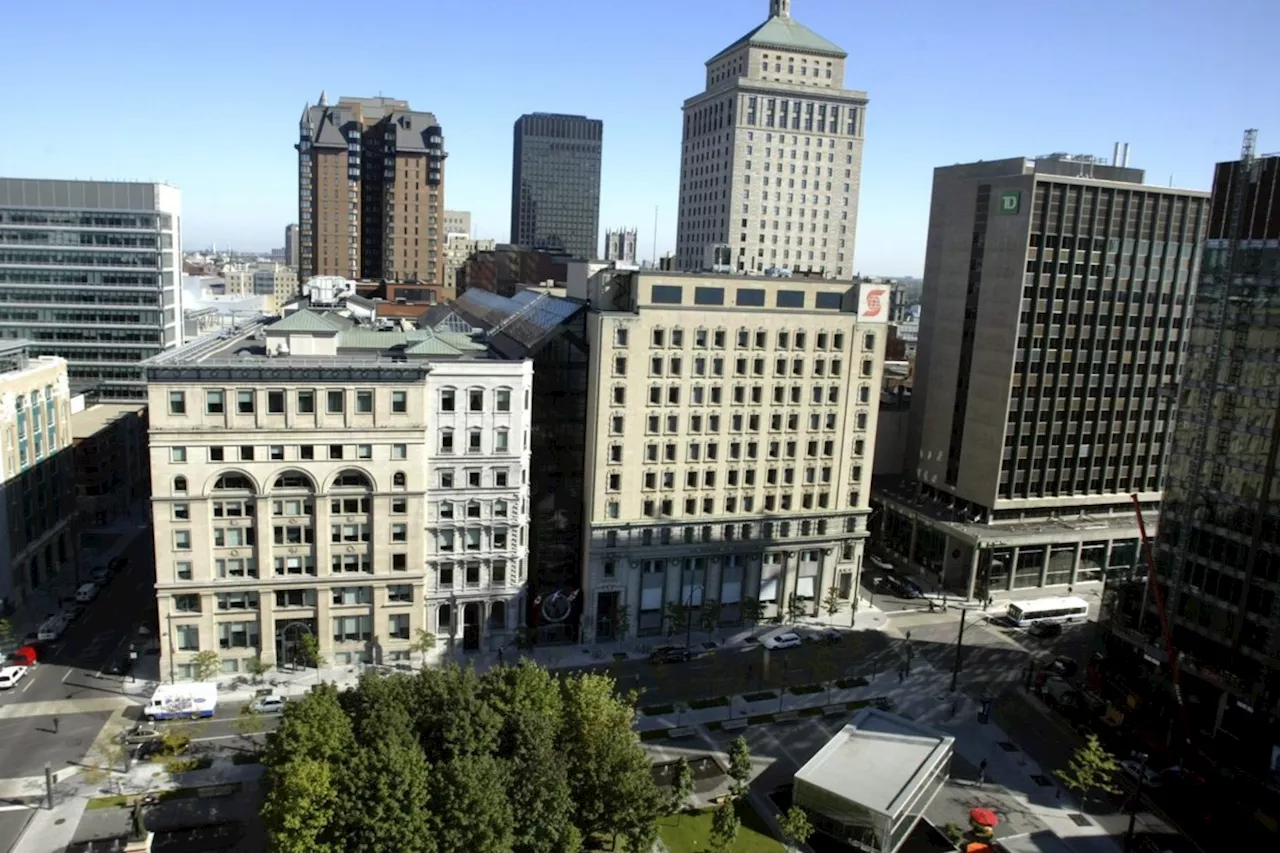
point(316, 476)
point(771, 156)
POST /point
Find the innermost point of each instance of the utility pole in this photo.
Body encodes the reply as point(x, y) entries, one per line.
point(48, 783)
point(955, 673)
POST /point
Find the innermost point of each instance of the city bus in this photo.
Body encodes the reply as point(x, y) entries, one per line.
point(1065, 609)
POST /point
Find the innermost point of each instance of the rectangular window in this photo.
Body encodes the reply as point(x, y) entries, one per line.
point(183, 570)
point(398, 626)
point(500, 442)
point(708, 296)
point(188, 638)
point(275, 402)
point(177, 402)
point(399, 533)
point(244, 402)
point(502, 400)
point(750, 297)
point(364, 402)
point(182, 540)
point(666, 294)
point(399, 451)
point(399, 402)
point(213, 404)
point(306, 402)
point(829, 300)
point(475, 401)
point(790, 299)
point(398, 593)
point(335, 402)
point(177, 454)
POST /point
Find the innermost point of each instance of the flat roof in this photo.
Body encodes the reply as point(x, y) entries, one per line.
point(879, 760)
point(92, 419)
point(1047, 841)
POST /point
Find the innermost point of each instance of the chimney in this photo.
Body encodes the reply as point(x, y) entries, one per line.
point(1126, 155)
point(1115, 155)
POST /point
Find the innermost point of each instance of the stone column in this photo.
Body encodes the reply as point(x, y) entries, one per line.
point(1044, 564)
point(1013, 568)
point(973, 571)
point(1075, 566)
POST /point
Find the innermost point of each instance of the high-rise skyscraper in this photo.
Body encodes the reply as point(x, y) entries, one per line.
point(771, 156)
point(1054, 313)
point(620, 245)
point(370, 191)
point(92, 271)
point(1218, 551)
point(555, 183)
point(291, 246)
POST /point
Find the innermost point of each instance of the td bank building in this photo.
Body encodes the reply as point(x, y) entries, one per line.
point(1057, 296)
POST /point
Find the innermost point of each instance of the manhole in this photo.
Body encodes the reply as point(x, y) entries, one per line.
point(1042, 780)
point(1079, 819)
point(1007, 746)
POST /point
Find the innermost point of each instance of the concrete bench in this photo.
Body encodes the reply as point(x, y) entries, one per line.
point(681, 731)
point(734, 725)
point(786, 716)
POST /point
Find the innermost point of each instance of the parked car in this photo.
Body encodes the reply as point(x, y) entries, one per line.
point(670, 654)
point(900, 586)
point(141, 734)
point(1062, 667)
point(267, 705)
point(100, 575)
point(86, 593)
point(789, 640)
point(1133, 768)
point(829, 635)
point(22, 656)
point(11, 675)
point(1045, 630)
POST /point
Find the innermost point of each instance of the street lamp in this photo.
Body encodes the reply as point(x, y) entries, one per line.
point(1137, 796)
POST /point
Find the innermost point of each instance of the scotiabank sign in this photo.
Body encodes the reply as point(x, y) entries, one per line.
point(873, 303)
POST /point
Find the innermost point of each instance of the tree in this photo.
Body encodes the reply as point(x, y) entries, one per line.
point(709, 615)
point(473, 812)
point(752, 610)
point(208, 664)
point(309, 651)
point(424, 643)
point(257, 667)
point(677, 613)
point(621, 623)
point(300, 806)
point(795, 827)
point(831, 603)
point(1091, 769)
point(740, 765)
point(681, 786)
point(795, 608)
point(249, 725)
point(6, 633)
point(724, 826)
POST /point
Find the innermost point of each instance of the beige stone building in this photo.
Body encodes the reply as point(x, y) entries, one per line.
point(731, 427)
point(459, 247)
point(771, 156)
point(370, 191)
point(316, 476)
point(38, 514)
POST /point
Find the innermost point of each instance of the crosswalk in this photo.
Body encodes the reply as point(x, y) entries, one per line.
point(63, 707)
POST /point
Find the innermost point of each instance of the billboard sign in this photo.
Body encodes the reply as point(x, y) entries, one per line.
point(873, 303)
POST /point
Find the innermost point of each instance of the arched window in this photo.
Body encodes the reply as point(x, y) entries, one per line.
point(352, 479)
point(180, 485)
point(294, 480)
point(233, 482)
point(398, 480)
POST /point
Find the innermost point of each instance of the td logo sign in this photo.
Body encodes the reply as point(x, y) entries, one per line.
point(1010, 202)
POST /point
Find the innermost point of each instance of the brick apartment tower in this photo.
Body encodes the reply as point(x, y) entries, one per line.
point(370, 191)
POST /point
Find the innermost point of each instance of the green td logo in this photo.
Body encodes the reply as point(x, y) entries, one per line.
point(1010, 202)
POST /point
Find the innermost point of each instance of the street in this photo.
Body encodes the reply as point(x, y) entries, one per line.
point(66, 675)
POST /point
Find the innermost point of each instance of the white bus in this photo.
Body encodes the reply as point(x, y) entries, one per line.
point(1065, 609)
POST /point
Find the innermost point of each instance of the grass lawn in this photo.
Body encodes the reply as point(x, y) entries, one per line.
point(689, 832)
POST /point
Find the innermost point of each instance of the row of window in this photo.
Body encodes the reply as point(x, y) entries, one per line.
point(674, 366)
point(340, 596)
point(336, 401)
point(769, 531)
point(746, 339)
point(245, 635)
point(500, 443)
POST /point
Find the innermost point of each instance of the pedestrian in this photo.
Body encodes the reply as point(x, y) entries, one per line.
point(902, 674)
point(500, 650)
point(55, 725)
point(982, 771)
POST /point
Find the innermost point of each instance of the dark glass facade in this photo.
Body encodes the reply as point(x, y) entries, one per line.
point(555, 183)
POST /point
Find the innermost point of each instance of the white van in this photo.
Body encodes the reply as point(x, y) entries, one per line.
point(51, 628)
point(86, 593)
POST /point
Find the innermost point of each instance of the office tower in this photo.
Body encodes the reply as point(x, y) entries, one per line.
point(457, 222)
point(291, 246)
point(320, 476)
point(730, 424)
point(91, 271)
point(620, 245)
point(370, 191)
point(771, 156)
point(1054, 315)
point(39, 542)
point(555, 183)
point(1218, 551)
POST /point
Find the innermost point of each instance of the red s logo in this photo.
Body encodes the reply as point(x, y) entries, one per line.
point(874, 304)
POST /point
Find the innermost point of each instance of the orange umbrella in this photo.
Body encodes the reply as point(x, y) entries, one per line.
point(984, 817)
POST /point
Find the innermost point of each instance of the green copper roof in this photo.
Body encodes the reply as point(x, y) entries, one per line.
point(304, 321)
point(788, 34)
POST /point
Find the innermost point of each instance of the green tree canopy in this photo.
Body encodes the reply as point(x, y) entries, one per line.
point(740, 764)
point(444, 760)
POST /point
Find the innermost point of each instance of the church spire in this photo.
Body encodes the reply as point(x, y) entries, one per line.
point(779, 8)
point(324, 100)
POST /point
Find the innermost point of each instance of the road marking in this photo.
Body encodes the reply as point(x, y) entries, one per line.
point(27, 686)
point(64, 708)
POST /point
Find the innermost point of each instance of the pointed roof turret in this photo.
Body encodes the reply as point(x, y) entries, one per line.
point(324, 99)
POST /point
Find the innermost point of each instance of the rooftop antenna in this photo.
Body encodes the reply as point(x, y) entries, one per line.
point(655, 236)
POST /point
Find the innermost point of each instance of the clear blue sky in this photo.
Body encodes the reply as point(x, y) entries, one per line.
point(207, 95)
